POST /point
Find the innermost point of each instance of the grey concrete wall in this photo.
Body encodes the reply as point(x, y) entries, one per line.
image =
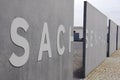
point(36, 12)
point(113, 29)
point(95, 26)
point(77, 60)
point(118, 37)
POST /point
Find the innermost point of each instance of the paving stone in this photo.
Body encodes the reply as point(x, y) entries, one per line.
point(108, 69)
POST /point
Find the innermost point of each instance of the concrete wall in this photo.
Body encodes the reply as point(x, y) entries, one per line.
point(118, 37)
point(77, 60)
point(95, 33)
point(113, 30)
point(36, 13)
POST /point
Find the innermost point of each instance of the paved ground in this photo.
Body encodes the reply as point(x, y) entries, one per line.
point(108, 70)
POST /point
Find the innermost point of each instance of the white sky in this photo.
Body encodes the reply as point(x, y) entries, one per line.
point(111, 8)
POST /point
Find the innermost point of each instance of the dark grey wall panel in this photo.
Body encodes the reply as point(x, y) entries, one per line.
point(118, 37)
point(95, 34)
point(113, 30)
point(77, 60)
point(36, 12)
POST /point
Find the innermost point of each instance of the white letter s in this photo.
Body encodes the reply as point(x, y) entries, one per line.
point(20, 41)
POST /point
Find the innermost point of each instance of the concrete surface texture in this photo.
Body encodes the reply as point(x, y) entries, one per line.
point(96, 36)
point(118, 36)
point(108, 69)
point(113, 29)
point(36, 13)
point(77, 60)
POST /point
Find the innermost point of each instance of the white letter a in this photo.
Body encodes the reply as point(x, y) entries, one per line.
point(45, 46)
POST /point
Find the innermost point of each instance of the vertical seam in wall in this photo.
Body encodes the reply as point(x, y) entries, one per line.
point(117, 38)
point(84, 37)
point(108, 53)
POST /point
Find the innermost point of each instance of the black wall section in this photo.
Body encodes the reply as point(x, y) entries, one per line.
point(108, 39)
point(117, 39)
point(84, 37)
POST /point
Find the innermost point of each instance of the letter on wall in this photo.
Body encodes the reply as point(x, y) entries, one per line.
point(45, 46)
point(20, 41)
point(60, 50)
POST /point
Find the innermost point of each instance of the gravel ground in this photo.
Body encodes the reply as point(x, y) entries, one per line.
point(108, 70)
